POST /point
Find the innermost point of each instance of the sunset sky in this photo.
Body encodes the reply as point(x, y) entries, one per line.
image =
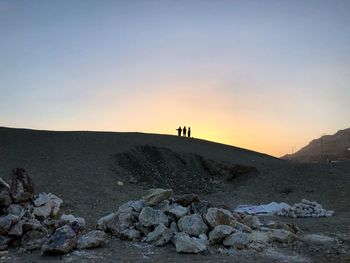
point(263, 75)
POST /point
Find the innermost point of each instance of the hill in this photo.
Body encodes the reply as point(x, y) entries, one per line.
point(334, 147)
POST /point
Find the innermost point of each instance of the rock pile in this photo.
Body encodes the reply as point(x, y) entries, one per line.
point(305, 209)
point(191, 225)
point(36, 222)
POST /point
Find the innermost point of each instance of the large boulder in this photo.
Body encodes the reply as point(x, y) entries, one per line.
point(33, 240)
point(219, 216)
point(160, 236)
point(61, 242)
point(92, 239)
point(152, 217)
point(155, 196)
point(22, 188)
point(5, 196)
point(186, 244)
point(237, 240)
point(193, 225)
point(219, 233)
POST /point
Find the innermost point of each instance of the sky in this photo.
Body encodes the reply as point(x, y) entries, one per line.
point(265, 75)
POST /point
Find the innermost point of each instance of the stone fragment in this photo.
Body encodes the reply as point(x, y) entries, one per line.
point(32, 224)
point(117, 222)
point(186, 244)
point(241, 227)
point(163, 206)
point(160, 236)
point(200, 207)
point(238, 240)
point(33, 240)
point(155, 196)
point(192, 225)
point(61, 242)
point(152, 217)
point(22, 188)
point(92, 239)
point(138, 205)
point(282, 236)
point(56, 203)
point(78, 221)
point(177, 211)
point(174, 227)
point(41, 199)
point(219, 233)
point(186, 199)
point(104, 222)
point(43, 211)
point(6, 222)
point(16, 230)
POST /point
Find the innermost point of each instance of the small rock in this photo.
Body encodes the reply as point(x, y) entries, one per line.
point(282, 236)
point(22, 188)
point(163, 206)
point(186, 199)
point(237, 240)
point(193, 225)
point(186, 244)
point(32, 224)
point(62, 241)
point(155, 196)
point(104, 222)
point(33, 240)
point(43, 211)
point(200, 207)
point(4, 242)
point(16, 210)
point(130, 234)
point(138, 205)
point(56, 203)
point(92, 239)
point(219, 216)
point(72, 219)
point(16, 230)
point(6, 222)
point(160, 236)
point(252, 221)
point(41, 199)
point(5, 196)
point(173, 227)
point(178, 211)
point(133, 180)
point(117, 222)
point(152, 217)
point(219, 233)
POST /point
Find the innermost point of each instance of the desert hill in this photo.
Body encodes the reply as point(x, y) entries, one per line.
point(334, 147)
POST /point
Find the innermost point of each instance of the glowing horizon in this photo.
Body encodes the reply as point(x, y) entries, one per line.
point(268, 77)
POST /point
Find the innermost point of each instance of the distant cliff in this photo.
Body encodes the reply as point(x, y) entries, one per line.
point(334, 147)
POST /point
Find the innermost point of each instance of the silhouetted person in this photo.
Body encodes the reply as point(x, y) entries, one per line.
point(179, 130)
point(184, 131)
point(189, 132)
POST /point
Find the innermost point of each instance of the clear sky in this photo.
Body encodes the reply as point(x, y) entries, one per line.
point(263, 75)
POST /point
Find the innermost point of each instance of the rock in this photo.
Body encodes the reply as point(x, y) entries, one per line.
point(200, 207)
point(32, 224)
point(6, 222)
point(138, 205)
point(22, 188)
point(42, 199)
point(259, 237)
point(104, 222)
point(130, 234)
point(79, 221)
point(143, 230)
point(43, 211)
point(56, 203)
point(219, 233)
point(160, 236)
point(16, 210)
point(4, 242)
point(177, 211)
point(192, 225)
point(61, 242)
point(133, 180)
point(152, 217)
point(117, 222)
point(5, 196)
point(282, 236)
point(237, 240)
point(319, 239)
point(241, 227)
point(155, 196)
point(16, 230)
point(92, 239)
point(251, 221)
point(186, 244)
point(186, 199)
point(163, 206)
point(33, 240)
point(173, 227)
point(219, 216)
point(286, 226)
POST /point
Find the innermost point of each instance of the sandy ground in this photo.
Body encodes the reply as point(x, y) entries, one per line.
point(80, 167)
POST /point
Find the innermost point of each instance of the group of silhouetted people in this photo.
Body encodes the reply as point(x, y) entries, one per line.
point(185, 132)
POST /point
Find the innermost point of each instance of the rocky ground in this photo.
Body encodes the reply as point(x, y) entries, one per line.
point(83, 169)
